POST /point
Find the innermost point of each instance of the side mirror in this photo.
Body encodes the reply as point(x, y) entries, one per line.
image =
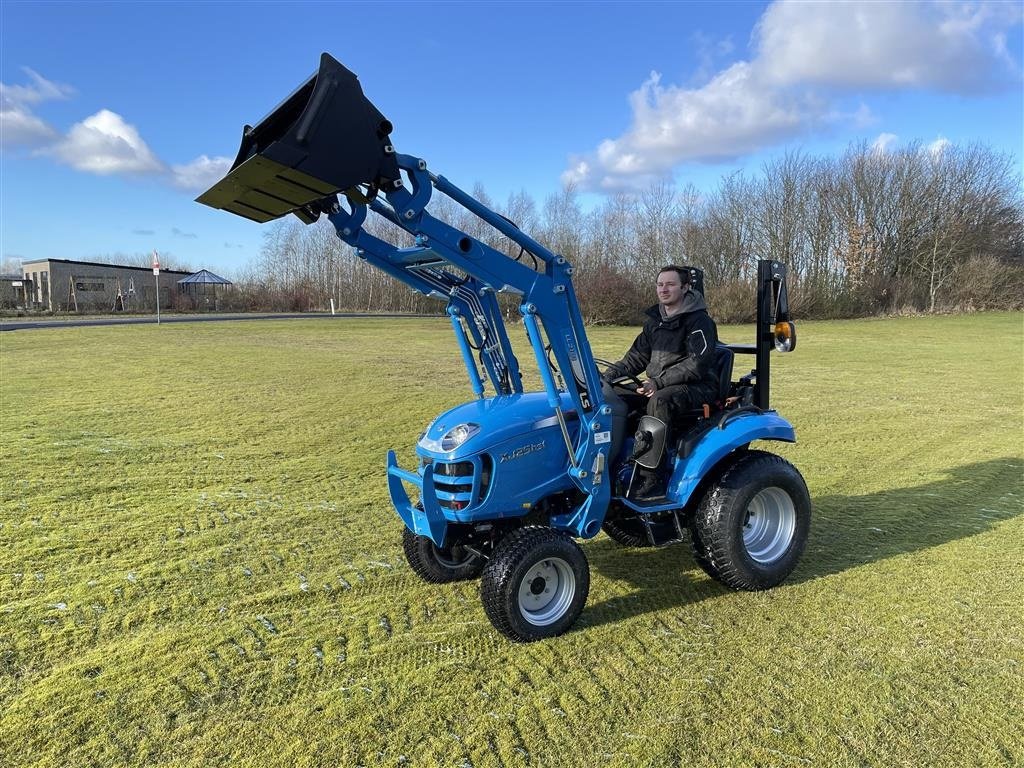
point(785, 336)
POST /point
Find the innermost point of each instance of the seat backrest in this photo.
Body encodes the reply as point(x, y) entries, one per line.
point(723, 365)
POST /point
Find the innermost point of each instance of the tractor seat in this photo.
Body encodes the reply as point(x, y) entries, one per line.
point(723, 368)
point(723, 364)
point(693, 425)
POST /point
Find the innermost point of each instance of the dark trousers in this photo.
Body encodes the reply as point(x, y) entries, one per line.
point(664, 403)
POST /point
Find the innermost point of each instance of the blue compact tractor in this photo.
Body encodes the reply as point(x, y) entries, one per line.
point(507, 482)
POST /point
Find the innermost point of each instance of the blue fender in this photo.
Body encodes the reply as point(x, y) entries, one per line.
point(718, 443)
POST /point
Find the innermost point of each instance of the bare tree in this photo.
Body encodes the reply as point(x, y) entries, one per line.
point(865, 232)
point(967, 189)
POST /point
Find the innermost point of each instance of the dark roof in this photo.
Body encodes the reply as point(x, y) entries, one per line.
point(204, 276)
point(103, 264)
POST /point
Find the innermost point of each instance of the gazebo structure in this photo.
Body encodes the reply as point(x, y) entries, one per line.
point(201, 287)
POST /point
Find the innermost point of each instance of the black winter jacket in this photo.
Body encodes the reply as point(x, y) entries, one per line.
point(676, 350)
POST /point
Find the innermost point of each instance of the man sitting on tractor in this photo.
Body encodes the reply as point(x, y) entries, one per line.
point(676, 350)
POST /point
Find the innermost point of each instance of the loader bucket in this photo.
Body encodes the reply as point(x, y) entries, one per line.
point(324, 138)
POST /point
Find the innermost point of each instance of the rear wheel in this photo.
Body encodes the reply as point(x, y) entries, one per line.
point(439, 565)
point(535, 585)
point(752, 524)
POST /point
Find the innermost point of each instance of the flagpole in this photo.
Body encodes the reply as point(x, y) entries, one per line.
point(156, 274)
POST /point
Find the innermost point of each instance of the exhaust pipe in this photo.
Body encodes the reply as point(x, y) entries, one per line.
point(325, 138)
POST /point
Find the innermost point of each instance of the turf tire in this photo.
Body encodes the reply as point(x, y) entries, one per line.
point(513, 570)
point(436, 565)
point(777, 491)
point(700, 553)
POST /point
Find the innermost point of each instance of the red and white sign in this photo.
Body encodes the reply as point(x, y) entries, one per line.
point(156, 263)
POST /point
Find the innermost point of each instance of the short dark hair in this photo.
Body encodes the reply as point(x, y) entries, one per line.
point(684, 274)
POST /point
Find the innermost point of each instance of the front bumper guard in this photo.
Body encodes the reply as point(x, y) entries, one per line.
point(427, 518)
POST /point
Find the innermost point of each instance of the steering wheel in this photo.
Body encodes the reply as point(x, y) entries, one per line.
point(618, 380)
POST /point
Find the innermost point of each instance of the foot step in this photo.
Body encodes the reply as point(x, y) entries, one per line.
point(664, 530)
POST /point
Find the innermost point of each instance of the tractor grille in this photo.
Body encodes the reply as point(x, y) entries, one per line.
point(459, 469)
point(454, 482)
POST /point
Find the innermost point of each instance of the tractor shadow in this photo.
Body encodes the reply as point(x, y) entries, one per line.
point(846, 532)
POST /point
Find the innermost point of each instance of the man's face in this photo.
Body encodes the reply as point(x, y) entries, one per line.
point(670, 288)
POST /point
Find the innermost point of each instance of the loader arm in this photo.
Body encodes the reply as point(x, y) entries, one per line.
point(326, 138)
point(548, 307)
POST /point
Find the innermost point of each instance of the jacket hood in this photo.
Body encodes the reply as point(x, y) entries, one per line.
point(693, 301)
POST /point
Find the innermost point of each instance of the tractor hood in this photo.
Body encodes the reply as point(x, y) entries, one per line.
point(325, 138)
point(476, 426)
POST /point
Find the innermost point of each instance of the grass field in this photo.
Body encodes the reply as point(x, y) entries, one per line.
point(199, 565)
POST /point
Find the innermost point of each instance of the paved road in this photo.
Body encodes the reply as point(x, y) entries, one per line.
point(79, 322)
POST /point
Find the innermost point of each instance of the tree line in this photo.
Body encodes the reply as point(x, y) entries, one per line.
point(918, 229)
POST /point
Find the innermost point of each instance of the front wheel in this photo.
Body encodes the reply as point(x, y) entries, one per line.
point(439, 565)
point(752, 524)
point(535, 585)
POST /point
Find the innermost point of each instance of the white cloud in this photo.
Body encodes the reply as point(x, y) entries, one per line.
point(806, 53)
point(41, 89)
point(732, 115)
point(938, 147)
point(950, 47)
point(881, 145)
point(201, 173)
point(105, 144)
point(18, 124)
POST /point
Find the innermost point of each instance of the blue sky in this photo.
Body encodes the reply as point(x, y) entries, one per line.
point(114, 116)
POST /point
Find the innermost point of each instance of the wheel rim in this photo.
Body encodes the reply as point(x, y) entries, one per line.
point(546, 591)
point(769, 525)
point(453, 557)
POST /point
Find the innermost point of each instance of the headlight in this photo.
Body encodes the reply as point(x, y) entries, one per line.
point(457, 435)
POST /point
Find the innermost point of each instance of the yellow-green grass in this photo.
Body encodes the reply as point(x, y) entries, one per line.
point(199, 565)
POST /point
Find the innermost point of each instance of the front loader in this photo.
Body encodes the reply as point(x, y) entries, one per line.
point(507, 482)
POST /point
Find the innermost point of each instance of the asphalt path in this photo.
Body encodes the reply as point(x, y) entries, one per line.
point(81, 322)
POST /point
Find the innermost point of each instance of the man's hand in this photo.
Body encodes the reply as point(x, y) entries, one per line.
point(647, 389)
